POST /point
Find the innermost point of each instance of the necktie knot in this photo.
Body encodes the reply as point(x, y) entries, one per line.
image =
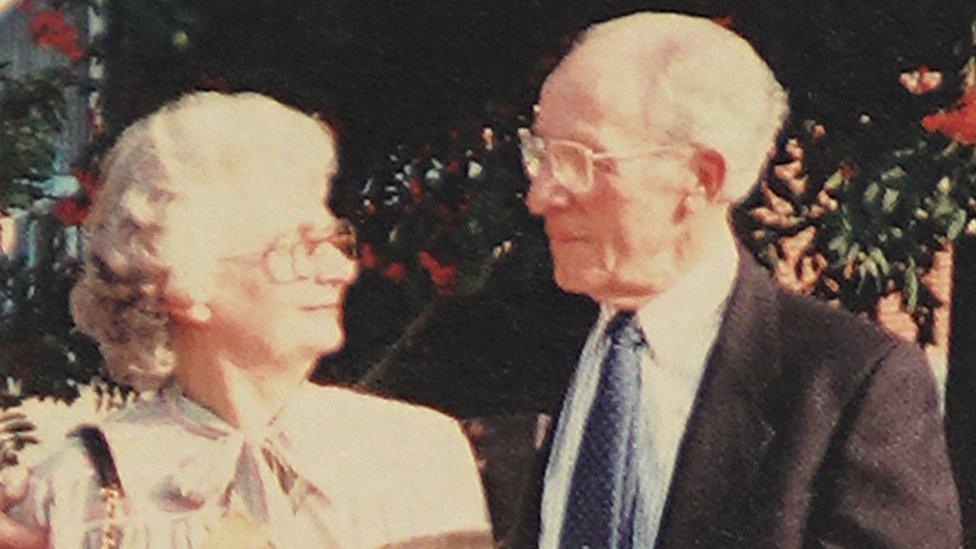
point(623, 331)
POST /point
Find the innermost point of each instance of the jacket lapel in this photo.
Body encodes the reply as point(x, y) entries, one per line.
point(729, 429)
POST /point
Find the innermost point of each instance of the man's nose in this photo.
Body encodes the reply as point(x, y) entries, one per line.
point(546, 193)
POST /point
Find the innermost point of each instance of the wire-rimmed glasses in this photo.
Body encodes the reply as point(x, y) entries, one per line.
point(570, 162)
point(292, 257)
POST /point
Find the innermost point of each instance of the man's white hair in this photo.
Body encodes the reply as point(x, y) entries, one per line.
point(689, 81)
point(146, 211)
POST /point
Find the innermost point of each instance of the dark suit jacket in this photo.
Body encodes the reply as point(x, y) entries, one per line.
point(811, 428)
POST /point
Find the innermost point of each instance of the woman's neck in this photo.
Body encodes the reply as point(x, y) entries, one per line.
point(245, 395)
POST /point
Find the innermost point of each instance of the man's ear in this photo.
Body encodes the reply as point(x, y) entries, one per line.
point(709, 166)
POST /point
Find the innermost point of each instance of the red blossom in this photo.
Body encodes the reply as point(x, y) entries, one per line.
point(960, 124)
point(367, 257)
point(452, 167)
point(442, 276)
point(921, 81)
point(88, 184)
point(846, 171)
point(427, 261)
point(49, 29)
point(416, 190)
point(68, 212)
point(395, 272)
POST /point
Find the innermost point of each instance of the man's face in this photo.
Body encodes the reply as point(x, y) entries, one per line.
point(620, 242)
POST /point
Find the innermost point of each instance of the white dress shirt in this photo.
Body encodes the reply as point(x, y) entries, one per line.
point(335, 468)
point(680, 325)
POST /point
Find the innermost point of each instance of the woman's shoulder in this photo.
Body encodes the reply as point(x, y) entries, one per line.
point(351, 430)
point(409, 465)
point(376, 413)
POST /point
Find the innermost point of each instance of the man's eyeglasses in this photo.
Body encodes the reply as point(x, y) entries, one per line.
point(569, 162)
point(294, 256)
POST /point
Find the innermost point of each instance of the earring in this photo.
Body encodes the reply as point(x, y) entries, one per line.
point(199, 312)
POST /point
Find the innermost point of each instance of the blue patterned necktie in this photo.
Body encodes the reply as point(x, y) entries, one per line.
point(602, 501)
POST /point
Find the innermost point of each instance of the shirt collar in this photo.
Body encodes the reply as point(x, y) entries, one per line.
point(691, 308)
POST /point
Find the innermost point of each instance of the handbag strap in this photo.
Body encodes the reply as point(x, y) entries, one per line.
point(101, 457)
point(110, 486)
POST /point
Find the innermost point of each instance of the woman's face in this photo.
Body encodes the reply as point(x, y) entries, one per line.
point(280, 272)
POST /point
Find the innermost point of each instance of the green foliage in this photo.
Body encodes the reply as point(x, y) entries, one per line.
point(879, 215)
point(39, 345)
point(32, 114)
point(447, 215)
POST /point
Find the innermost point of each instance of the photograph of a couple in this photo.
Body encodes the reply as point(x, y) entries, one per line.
point(555, 274)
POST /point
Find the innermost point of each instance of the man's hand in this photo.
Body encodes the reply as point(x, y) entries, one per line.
point(13, 535)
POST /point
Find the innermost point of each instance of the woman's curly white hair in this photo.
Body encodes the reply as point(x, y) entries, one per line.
point(205, 138)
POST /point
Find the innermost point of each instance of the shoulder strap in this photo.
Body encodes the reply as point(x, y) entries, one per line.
point(101, 457)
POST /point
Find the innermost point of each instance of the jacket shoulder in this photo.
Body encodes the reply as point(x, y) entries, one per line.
point(842, 352)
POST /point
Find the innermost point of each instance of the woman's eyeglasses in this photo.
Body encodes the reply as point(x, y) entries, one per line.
point(293, 256)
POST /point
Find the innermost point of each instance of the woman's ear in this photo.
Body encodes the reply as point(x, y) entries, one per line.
point(709, 166)
point(183, 304)
point(185, 311)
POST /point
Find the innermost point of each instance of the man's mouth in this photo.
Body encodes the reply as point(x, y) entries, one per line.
point(567, 238)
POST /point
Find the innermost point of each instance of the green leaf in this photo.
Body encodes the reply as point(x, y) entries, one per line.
point(889, 200)
point(838, 244)
point(957, 224)
point(878, 257)
point(871, 193)
point(834, 182)
point(910, 289)
point(944, 207)
point(894, 174)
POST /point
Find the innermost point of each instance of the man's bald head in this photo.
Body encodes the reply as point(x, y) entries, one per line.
point(678, 80)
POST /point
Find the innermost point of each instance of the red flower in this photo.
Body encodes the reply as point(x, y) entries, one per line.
point(49, 29)
point(416, 190)
point(395, 272)
point(88, 184)
point(846, 171)
point(367, 257)
point(452, 167)
point(442, 276)
point(921, 80)
point(68, 212)
point(959, 124)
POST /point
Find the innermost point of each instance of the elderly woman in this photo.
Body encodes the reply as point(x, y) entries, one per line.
point(215, 277)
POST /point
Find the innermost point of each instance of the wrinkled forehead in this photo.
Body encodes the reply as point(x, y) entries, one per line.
point(246, 216)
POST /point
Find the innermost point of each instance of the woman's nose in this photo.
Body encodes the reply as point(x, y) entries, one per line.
point(333, 267)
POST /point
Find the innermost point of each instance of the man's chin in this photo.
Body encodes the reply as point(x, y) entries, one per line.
point(602, 287)
point(590, 283)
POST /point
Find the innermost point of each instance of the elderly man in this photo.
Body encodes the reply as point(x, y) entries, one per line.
point(708, 408)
